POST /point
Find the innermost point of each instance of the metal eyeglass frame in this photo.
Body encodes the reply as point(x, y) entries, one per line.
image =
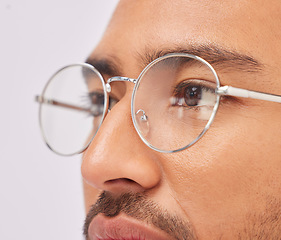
point(220, 91)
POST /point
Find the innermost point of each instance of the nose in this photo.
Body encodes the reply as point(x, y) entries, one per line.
point(117, 160)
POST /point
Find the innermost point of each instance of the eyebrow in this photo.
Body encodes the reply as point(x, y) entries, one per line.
point(219, 57)
point(106, 66)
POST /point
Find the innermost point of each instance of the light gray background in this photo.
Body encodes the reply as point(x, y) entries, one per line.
point(41, 193)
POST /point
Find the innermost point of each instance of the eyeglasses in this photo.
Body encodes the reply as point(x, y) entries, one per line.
point(174, 101)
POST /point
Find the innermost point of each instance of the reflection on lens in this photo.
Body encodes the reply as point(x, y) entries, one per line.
point(72, 108)
point(143, 122)
point(178, 95)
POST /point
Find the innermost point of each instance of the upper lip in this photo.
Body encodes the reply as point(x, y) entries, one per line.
point(123, 227)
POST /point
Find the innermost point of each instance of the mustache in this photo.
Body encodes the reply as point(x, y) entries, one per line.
point(136, 205)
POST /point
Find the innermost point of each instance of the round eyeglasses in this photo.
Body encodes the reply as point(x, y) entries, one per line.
point(174, 102)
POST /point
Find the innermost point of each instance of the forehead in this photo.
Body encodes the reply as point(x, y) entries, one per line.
point(252, 27)
point(165, 21)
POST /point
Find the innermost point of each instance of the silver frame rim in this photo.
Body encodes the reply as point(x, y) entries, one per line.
point(215, 108)
point(104, 112)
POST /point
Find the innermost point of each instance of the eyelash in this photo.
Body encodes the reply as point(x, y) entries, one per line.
point(199, 88)
point(87, 98)
point(187, 83)
point(206, 86)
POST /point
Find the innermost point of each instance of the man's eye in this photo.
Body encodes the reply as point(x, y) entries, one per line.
point(194, 93)
point(97, 103)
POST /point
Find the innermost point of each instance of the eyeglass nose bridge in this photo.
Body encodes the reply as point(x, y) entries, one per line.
point(118, 78)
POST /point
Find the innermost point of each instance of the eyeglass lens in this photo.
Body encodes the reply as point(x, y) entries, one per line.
point(72, 109)
point(178, 97)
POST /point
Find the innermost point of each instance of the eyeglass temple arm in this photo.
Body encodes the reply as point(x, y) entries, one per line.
point(41, 99)
point(238, 92)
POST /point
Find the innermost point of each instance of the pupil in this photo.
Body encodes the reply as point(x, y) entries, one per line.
point(193, 95)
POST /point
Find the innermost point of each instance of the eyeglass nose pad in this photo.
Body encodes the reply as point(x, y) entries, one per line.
point(143, 122)
point(108, 87)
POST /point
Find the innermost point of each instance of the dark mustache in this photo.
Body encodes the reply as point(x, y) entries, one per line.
point(137, 206)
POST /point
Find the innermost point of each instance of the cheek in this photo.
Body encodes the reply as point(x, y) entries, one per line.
point(230, 171)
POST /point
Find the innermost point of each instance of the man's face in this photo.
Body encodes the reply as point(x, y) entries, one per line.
point(227, 185)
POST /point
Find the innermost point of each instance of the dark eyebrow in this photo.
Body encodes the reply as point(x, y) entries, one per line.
point(106, 66)
point(218, 57)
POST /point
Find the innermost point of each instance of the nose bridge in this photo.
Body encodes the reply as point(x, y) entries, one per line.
point(118, 79)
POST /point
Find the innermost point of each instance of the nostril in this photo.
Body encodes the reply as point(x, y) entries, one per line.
point(129, 180)
point(123, 184)
point(120, 180)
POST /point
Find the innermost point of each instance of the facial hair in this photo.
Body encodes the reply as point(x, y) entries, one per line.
point(137, 206)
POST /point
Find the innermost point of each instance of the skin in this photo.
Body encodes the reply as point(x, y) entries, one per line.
point(228, 184)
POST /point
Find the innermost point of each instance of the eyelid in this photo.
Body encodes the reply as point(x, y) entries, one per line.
point(204, 83)
point(211, 86)
point(111, 95)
